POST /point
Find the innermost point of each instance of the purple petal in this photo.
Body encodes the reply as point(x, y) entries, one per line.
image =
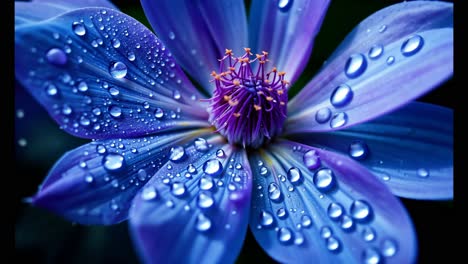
point(100, 74)
point(286, 29)
point(375, 72)
point(312, 204)
point(195, 210)
point(38, 10)
point(409, 152)
point(95, 183)
point(199, 32)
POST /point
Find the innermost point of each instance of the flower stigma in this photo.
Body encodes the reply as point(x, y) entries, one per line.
point(249, 102)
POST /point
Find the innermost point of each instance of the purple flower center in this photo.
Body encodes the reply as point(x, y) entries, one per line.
point(249, 103)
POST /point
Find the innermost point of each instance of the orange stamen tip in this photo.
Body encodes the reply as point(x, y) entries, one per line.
point(236, 114)
point(257, 107)
point(269, 98)
point(227, 98)
point(233, 103)
point(228, 51)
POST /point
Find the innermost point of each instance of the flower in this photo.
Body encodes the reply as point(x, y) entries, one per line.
point(312, 175)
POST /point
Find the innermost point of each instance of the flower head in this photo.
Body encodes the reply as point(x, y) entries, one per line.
point(314, 177)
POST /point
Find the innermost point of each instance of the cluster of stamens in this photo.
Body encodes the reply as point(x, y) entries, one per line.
point(249, 103)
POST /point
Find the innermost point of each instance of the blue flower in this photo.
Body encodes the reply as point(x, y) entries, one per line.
point(313, 176)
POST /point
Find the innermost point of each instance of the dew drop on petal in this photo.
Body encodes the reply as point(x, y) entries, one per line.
point(355, 65)
point(82, 87)
point(206, 183)
point(171, 35)
point(178, 189)
point(212, 167)
point(412, 45)
point(341, 96)
point(79, 29)
point(115, 111)
point(325, 232)
point(205, 200)
point(266, 218)
point(324, 179)
point(339, 120)
point(281, 213)
point(335, 211)
point(56, 56)
point(177, 153)
point(101, 149)
point(113, 162)
point(358, 150)
point(390, 60)
point(368, 234)
point(294, 175)
point(360, 210)
point(220, 153)
point(323, 115)
point(333, 244)
point(306, 221)
point(116, 43)
point(203, 223)
point(118, 70)
point(423, 173)
point(149, 193)
point(311, 160)
point(375, 52)
point(201, 144)
point(284, 234)
point(274, 192)
point(22, 142)
point(388, 247)
point(51, 90)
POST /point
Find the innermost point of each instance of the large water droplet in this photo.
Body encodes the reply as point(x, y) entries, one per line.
point(266, 218)
point(203, 223)
point(388, 247)
point(284, 234)
point(423, 173)
point(205, 200)
point(220, 153)
point(158, 113)
point(311, 160)
point(177, 153)
point(118, 70)
point(101, 149)
point(131, 56)
point(213, 167)
point(82, 87)
point(360, 210)
point(371, 256)
point(375, 52)
point(341, 96)
point(115, 111)
point(306, 221)
point(51, 90)
point(347, 223)
point(116, 43)
point(274, 192)
point(358, 150)
point(148, 193)
point(113, 162)
point(298, 238)
point(339, 120)
point(56, 57)
point(201, 144)
point(333, 244)
point(294, 175)
point(412, 45)
point(335, 211)
point(263, 171)
point(206, 183)
point(324, 179)
point(281, 213)
point(323, 115)
point(355, 65)
point(79, 28)
point(178, 189)
point(285, 5)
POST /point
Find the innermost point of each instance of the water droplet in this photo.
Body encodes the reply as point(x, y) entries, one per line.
point(82, 87)
point(390, 60)
point(382, 28)
point(114, 91)
point(176, 94)
point(22, 142)
point(238, 166)
point(335, 211)
point(89, 179)
point(306, 221)
point(388, 247)
point(294, 175)
point(203, 223)
point(66, 109)
point(274, 192)
point(284, 234)
point(141, 174)
point(324, 179)
point(56, 57)
point(113, 162)
point(355, 65)
point(339, 120)
point(333, 244)
point(118, 70)
point(347, 223)
point(325, 232)
point(79, 28)
point(205, 200)
point(178, 188)
point(84, 121)
point(368, 234)
point(423, 173)
point(115, 111)
point(375, 52)
point(97, 111)
point(323, 115)
point(358, 150)
point(266, 219)
point(281, 213)
point(311, 160)
point(298, 238)
point(360, 210)
point(101, 149)
point(171, 35)
point(51, 90)
point(19, 113)
point(212, 167)
point(206, 183)
point(341, 96)
point(220, 153)
point(148, 193)
point(131, 56)
point(158, 113)
point(116, 43)
point(285, 5)
point(412, 45)
point(177, 153)
point(263, 171)
point(201, 144)
point(371, 256)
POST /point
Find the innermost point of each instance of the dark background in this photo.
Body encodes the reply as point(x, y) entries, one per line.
point(42, 237)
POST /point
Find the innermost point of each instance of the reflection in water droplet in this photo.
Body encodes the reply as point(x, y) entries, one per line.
point(113, 162)
point(335, 211)
point(294, 175)
point(375, 52)
point(118, 70)
point(148, 193)
point(333, 244)
point(203, 223)
point(206, 183)
point(79, 28)
point(266, 218)
point(358, 150)
point(285, 5)
point(412, 45)
point(323, 115)
point(371, 256)
point(355, 65)
point(341, 96)
point(360, 210)
point(390, 60)
point(201, 144)
point(325, 232)
point(324, 179)
point(306, 221)
point(213, 167)
point(368, 234)
point(339, 120)
point(158, 113)
point(56, 57)
point(311, 160)
point(205, 200)
point(178, 189)
point(284, 234)
point(115, 111)
point(177, 153)
point(274, 192)
point(388, 247)
point(281, 213)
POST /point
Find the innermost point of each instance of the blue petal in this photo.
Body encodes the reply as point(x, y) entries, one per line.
point(100, 73)
point(95, 183)
point(286, 29)
point(312, 204)
point(391, 58)
point(199, 32)
point(196, 209)
point(38, 10)
point(410, 150)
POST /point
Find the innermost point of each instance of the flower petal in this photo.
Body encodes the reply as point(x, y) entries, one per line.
point(95, 183)
point(286, 29)
point(411, 153)
point(312, 204)
point(199, 32)
point(38, 10)
point(197, 209)
point(100, 74)
point(411, 53)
